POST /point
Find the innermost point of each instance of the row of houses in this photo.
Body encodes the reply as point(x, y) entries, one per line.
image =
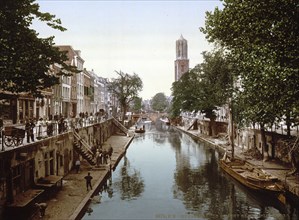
point(84, 92)
point(31, 171)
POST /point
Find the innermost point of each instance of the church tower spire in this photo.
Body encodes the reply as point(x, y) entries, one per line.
point(182, 61)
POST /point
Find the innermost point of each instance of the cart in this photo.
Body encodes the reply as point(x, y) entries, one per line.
point(13, 135)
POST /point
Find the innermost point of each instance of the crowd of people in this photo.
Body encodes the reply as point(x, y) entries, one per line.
point(102, 155)
point(53, 125)
point(59, 123)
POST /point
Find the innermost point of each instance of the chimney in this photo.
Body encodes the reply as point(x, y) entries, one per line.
point(78, 52)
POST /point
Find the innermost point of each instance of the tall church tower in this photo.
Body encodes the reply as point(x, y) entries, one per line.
point(182, 62)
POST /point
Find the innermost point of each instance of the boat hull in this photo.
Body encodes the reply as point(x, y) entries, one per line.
point(139, 131)
point(253, 178)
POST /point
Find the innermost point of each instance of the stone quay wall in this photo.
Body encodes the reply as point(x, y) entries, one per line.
point(27, 167)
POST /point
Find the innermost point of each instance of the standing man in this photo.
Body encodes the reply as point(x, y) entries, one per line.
point(29, 130)
point(77, 165)
point(110, 151)
point(88, 179)
point(98, 157)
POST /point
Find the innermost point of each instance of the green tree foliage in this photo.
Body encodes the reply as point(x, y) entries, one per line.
point(215, 83)
point(137, 104)
point(263, 38)
point(125, 88)
point(25, 59)
point(159, 102)
point(184, 92)
point(204, 88)
point(255, 25)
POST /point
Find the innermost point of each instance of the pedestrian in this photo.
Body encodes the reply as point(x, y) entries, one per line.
point(49, 128)
point(29, 130)
point(110, 151)
point(101, 156)
point(1, 122)
point(39, 125)
point(105, 157)
point(98, 157)
point(77, 165)
point(61, 125)
point(88, 179)
point(42, 208)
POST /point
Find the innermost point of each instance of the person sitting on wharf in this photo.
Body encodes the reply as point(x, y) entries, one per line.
point(42, 208)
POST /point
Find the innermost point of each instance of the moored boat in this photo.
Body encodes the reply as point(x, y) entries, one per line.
point(165, 120)
point(141, 130)
point(253, 177)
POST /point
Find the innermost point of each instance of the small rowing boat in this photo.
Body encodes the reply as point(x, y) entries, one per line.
point(139, 130)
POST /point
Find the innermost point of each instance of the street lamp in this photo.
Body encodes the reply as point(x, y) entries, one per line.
point(1, 133)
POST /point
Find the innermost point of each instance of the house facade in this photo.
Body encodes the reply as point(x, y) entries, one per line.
point(84, 91)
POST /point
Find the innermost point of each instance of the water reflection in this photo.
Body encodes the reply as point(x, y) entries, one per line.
point(199, 184)
point(130, 184)
point(168, 175)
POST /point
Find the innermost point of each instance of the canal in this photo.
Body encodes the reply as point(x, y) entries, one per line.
point(166, 174)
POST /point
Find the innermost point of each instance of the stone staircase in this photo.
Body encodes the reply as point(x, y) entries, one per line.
point(83, 149)
point(194, 125)
point(120, 126)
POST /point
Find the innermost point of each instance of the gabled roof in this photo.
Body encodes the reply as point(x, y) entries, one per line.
point(71, 53)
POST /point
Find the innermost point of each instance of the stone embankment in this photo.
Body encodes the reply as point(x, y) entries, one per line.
point(291, 182)
point(71, 201)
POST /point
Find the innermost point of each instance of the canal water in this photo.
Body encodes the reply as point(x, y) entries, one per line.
point(166, 174)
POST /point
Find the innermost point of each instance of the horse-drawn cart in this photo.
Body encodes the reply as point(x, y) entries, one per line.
point(13, 135)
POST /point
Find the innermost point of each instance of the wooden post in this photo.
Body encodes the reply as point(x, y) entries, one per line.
point(232, 130)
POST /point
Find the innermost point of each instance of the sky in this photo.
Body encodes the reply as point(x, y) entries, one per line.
point(131, 36)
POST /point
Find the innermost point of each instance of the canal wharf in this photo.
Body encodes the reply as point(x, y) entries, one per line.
point(72, 200)
point(34, 172)
point(291, 182)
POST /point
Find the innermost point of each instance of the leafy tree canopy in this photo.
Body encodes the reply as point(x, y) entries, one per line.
point(125, 88)
point(25, 59)
point(254, 25)
point(205, 87)
point(159, 102)
point(263, 39)
point(137, 104)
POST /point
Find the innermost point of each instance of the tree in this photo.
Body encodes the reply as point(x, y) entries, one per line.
point(256, 25)
point(137, 104)
point(215, 82)
point(204, 88)
point(25, 59)
point(159, 102)
point(184, 92)
point(125, 88)
point(263, 37)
